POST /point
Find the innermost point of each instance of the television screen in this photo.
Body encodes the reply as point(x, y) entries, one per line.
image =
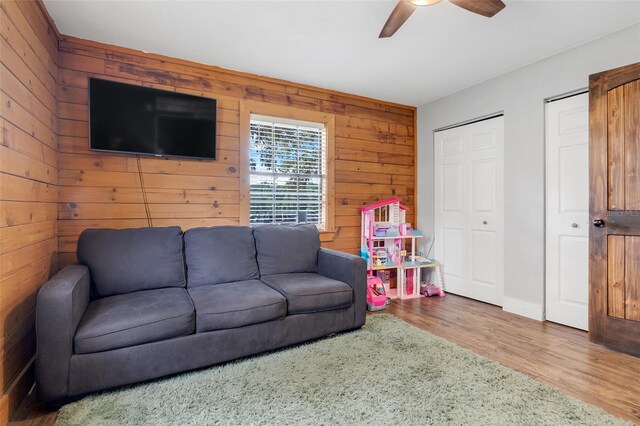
point(141, 120)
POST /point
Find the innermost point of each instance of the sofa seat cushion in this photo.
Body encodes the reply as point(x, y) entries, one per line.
point(132, 319)
point(307, 292)
point(231, 305)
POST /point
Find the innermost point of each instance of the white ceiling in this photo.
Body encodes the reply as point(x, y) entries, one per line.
point(335, 45)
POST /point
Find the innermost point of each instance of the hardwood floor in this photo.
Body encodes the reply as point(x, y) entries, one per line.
point(553, 354)
point(32, 413)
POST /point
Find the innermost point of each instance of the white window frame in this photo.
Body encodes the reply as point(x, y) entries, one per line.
point(273, 127)
point(283, 113)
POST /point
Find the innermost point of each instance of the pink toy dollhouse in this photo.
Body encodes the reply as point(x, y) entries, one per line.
point(388, 243)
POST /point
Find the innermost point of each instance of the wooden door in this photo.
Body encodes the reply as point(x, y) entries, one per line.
point(614, 266)
point(469, 209)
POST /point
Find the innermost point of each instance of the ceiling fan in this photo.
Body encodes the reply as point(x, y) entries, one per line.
point(405, 8)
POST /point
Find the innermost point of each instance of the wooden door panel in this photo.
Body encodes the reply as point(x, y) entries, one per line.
point(623, 277)
point(632, 278)
point(631, 114)
point(622, 335)
point(615, 127)
point(616, 274)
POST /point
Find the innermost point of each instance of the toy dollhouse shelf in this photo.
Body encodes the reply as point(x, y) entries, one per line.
point(396, 237)
point(383, 267)
point(397, 251)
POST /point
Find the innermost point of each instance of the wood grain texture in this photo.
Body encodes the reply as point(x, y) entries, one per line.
point(598, 195)
point(556, 355)
point(28, 186)
point(399, 15)
point(632, 195)
point(487, 8)
point(616, 275)
point(631, 102)
point(373, 155)
point(616, 156)
point(632, 278)
point(622, 335)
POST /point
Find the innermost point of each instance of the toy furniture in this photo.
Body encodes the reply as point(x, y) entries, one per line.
point(388, 243)
point(376, 295)
point(145, 303)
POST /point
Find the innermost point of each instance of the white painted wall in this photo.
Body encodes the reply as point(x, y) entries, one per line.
point(520, 94)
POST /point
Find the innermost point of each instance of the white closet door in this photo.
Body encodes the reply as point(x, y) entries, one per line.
point(469, 209)
point(567, 208)
point(451, 208)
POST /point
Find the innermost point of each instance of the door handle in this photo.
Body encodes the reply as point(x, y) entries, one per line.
point(598, 223)
point(574, 225)
point(484, 222)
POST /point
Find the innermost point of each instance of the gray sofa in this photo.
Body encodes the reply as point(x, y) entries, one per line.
point(145, 303)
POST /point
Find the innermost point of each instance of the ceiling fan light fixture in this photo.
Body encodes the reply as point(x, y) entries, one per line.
point(404, 9)
point(424, 2)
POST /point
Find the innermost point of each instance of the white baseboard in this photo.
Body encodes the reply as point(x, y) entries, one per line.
point(525, 309)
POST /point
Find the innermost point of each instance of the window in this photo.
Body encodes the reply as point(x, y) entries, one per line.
point(287, 171)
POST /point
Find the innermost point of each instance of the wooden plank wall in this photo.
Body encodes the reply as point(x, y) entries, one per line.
point(28, 185)
point(375, 148)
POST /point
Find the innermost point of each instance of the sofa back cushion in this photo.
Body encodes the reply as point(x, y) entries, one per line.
point(128, 260)
point(220, 254)
point(284, 249)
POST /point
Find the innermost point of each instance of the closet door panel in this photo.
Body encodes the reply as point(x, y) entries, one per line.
point(469, 237)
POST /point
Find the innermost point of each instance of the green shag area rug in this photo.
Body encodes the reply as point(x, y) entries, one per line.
point(387, 373)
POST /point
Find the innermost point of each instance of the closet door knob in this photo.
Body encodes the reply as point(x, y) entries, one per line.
point(574, 225)
point(598, 223)
point(484, 222)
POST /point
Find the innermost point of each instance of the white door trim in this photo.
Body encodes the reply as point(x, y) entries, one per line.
point(470, 121)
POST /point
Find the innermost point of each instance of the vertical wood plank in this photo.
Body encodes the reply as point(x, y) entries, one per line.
point(632, 144)
point(632, 278)
point(615, 129)
point(616, 273)
point(597, 205)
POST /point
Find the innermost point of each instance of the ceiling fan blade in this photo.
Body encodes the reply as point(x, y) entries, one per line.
point(398, 16)
point(486, 8)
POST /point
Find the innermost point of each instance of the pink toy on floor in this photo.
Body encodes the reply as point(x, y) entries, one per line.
point(431, 290)
point(376, 295)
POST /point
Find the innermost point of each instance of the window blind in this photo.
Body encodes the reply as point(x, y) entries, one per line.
point(287, 171)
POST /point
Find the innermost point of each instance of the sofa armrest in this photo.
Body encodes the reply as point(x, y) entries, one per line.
point(349, 269)
point(62, 301)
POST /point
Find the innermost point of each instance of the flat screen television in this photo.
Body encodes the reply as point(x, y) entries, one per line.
point(141, 120)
